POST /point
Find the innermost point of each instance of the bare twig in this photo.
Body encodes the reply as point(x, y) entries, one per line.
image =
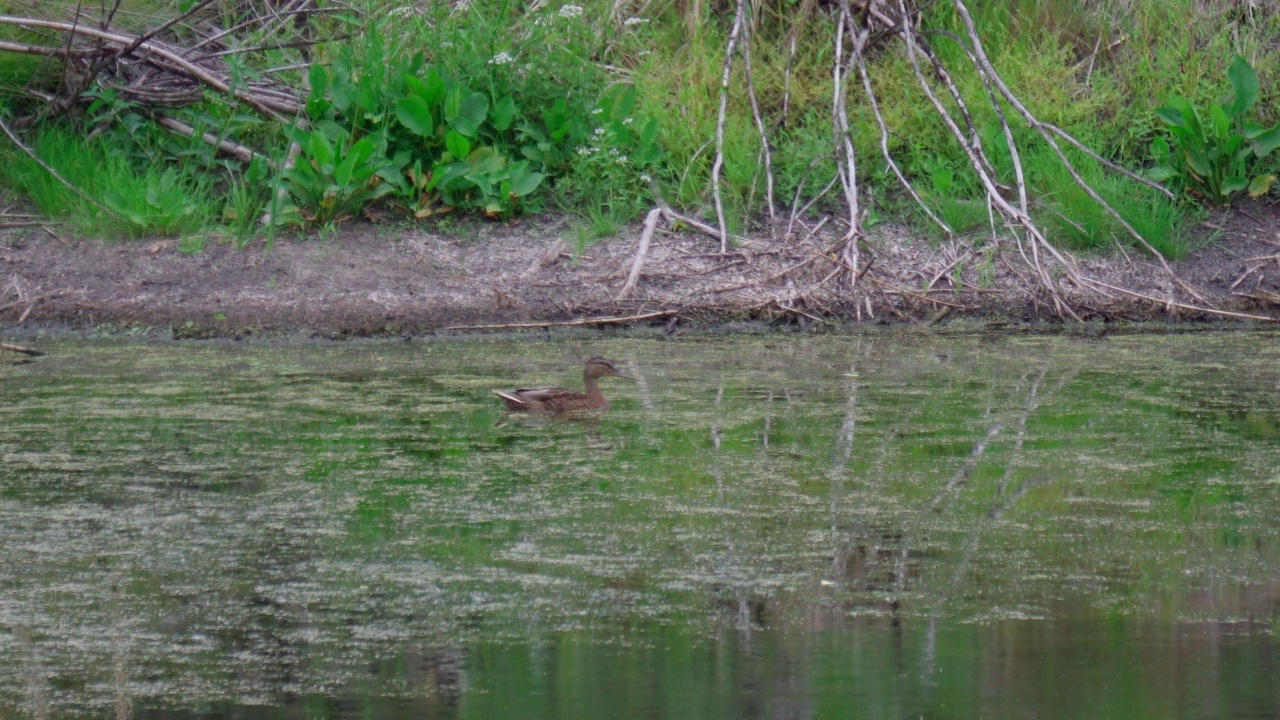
point(642, 251)
point(566, 323)
point(739, 20)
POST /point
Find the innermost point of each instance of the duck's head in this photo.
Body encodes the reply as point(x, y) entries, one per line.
point(598, 367)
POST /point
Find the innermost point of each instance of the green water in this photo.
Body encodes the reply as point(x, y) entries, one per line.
point(762, 527)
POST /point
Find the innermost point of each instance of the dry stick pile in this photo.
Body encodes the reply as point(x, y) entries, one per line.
point(175, 63)
point(861, 25)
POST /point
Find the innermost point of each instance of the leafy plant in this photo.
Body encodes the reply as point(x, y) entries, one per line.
point(1215, 158)
point(336, 176)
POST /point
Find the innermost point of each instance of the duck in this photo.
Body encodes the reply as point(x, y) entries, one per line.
point(558, 399)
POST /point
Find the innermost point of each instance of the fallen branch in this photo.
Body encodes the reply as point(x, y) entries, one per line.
point(650, 223)
point(565, 323)
point(240, 152)
point(1184, 306)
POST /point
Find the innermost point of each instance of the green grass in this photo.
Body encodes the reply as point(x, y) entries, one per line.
point(135, 202)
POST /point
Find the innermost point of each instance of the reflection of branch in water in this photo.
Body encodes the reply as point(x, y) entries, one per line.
point(715, 422)
point(768, 421)
point(979, 449)
point(731, 579)
point(994, 513)
point(843, 453)
point(642, 384)
point(965, 470)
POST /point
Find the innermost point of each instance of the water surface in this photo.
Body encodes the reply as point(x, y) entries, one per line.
point(779, 526)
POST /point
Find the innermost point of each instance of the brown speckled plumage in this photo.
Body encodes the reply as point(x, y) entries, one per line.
point(558, 399)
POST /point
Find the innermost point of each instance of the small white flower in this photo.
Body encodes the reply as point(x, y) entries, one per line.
point(501, 58)
point(635, 21)
point(446, 44)
point(613, 151)
point(622, 159)
point(597, 111)
point(570, 11)
point(584, 150)
point(628, 121)
point(599, 131)
point(645, 178)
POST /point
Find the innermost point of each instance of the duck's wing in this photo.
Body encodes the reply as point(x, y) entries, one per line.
point(533, 397)
point(541, 395)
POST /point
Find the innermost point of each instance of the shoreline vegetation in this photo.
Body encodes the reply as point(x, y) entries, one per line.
point(810, 163)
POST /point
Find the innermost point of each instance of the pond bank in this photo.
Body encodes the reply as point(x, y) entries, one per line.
point(382, 280)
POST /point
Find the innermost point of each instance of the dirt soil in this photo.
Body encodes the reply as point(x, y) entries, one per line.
point(401, 280)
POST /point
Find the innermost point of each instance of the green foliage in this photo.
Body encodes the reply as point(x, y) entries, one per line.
point(1215, 158)
point(336, 175)
point(612, 168)
point(140, 201)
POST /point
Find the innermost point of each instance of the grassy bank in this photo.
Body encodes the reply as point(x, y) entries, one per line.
point(504, 108)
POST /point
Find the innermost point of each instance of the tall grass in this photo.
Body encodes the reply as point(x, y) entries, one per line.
point(135, 202)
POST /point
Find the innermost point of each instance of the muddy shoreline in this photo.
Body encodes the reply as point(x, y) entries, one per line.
point(373, 280)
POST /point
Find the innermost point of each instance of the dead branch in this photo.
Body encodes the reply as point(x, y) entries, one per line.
point(236, 150)
point(758, 117)
point(642, 251)
point(1184, 306)
point(566, 323)
point(739, 20)
point(165, 59)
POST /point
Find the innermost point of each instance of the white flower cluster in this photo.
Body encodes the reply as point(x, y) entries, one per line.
point(501, 58)
point(634, 21)
point(570, 11)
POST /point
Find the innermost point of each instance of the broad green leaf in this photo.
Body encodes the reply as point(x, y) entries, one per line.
point(534, 153)
point(473, 108)
point(1233, 185)
point(414, 86)
point(316, 101)
point(524, 182)
point(1160, 173)
point(414, 113)
point(433, 86)
point(1264, 143)
point(1221, 124)
point(1261, 185)
point(452, 104)
point(457, 144)
point(1160, 149)
point(1244, 81)
point(340, 87)
point(1173, 116)
point(1198, 163)
point(320, 149)
point(445, 174)
point(481, 181)
point(503, 113)
point(557, 119)
point(486, 161)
